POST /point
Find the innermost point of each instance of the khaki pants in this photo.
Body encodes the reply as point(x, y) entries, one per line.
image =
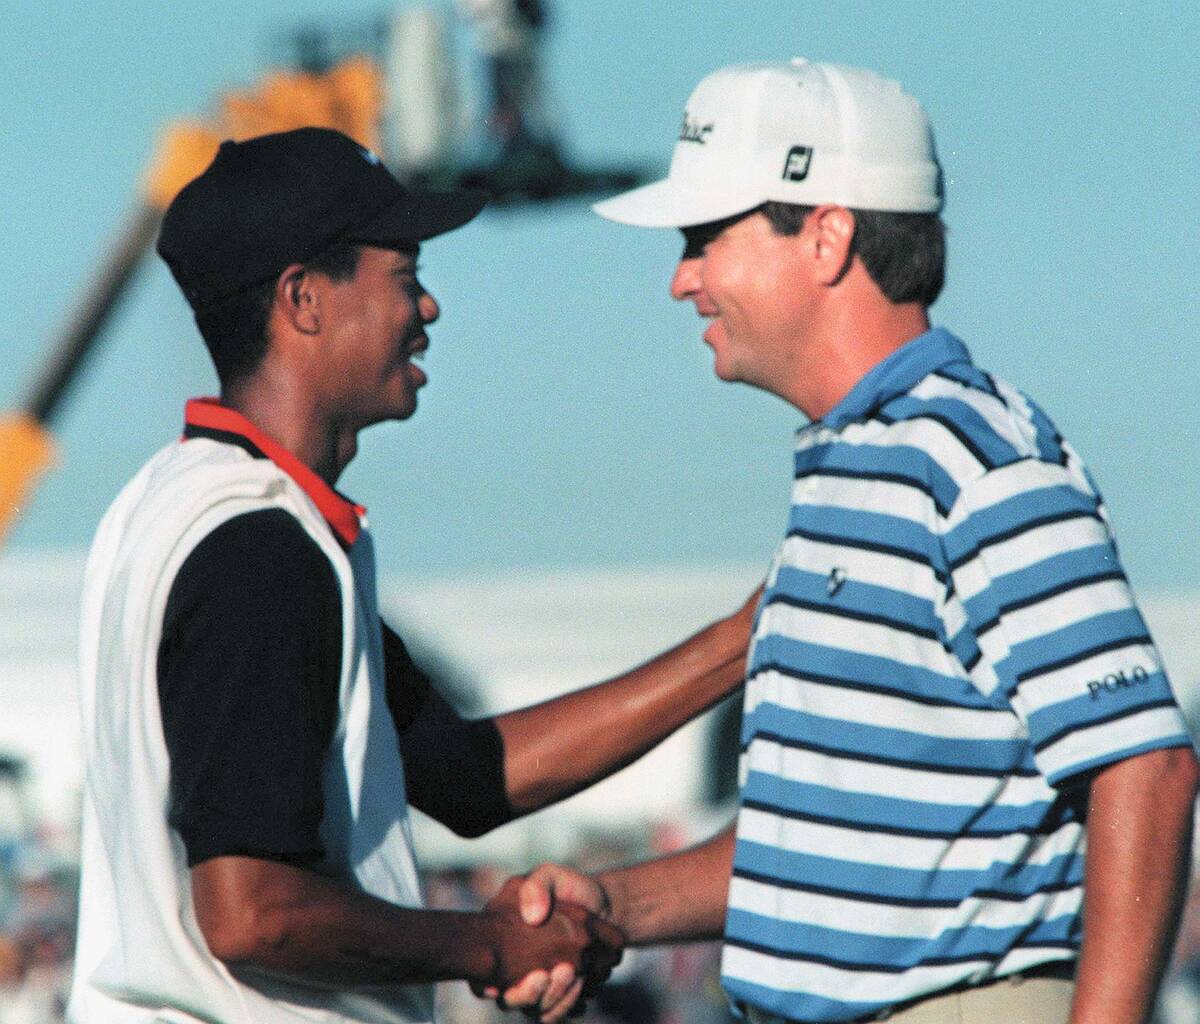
point(1008, 1001)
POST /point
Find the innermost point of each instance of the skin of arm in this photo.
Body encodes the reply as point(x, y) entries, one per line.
point(1139, 832)
point(555, 749)
point(521, 761)
point(290, 922)
point(287, 921)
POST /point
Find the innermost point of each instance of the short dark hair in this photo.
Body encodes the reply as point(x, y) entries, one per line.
point(235, 329)
point(904, 253)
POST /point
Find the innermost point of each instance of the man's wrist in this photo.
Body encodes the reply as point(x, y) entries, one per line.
point(614, 905)
point(482, 959)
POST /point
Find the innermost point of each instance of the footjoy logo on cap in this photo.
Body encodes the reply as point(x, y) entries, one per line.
point(795, 168)
point(694, 131)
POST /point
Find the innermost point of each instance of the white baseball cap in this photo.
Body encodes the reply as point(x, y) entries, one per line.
point(793, 132)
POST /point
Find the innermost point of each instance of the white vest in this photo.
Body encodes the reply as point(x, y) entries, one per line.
point(141, 956)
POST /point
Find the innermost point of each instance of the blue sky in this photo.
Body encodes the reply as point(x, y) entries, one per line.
point(572, 418)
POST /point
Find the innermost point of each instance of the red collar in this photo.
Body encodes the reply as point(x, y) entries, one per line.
point(207, 417)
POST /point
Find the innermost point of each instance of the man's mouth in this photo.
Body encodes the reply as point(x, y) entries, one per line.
point(415, 353)
point(707, 311)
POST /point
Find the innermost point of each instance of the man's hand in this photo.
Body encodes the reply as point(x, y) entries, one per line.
point(539, 898)
point(548, 884)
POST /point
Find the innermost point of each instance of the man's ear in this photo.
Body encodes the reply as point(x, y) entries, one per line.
point(298, 298)
point(832, 236)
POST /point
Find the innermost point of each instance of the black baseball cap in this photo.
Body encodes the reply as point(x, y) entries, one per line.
point(283, 198)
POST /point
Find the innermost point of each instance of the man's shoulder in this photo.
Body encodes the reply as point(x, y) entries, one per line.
point(189, 479)
point(183, 493)
point(971, 423)
point(186, 465)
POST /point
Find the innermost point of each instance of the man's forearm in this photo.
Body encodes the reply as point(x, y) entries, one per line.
point(1138, 854)
point(292, 923)
point(556, 748)
point(676, 898)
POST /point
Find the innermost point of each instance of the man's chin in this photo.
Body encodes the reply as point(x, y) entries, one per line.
point(405, 411)
point(404, 401)
point(400, 410)
point(724, 371)
point(722, 365)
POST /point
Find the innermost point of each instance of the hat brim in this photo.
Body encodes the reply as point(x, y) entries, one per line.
point(668, 204)
point(418, 216)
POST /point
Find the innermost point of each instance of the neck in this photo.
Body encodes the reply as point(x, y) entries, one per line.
point(288, 415)
point(853, 336)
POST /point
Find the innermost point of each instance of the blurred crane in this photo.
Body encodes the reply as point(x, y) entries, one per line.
point(392, 88)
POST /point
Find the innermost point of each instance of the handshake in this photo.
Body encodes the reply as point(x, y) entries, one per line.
point(554, 943)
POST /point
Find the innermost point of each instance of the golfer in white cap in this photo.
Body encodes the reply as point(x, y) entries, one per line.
point(951, 693)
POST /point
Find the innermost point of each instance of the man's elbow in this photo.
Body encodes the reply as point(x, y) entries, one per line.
point(232, 939)
point(239, 912)
point(230, 947)
point(240, 939)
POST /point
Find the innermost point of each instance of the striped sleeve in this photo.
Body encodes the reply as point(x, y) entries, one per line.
point(1047, 604)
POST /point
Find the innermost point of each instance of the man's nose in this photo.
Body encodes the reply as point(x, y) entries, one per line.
point(428, 307)
point(686, 280)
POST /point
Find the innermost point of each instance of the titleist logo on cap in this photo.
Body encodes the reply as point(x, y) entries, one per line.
point(694, 131)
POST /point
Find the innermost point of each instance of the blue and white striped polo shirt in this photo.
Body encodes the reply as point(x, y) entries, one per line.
point(945, 643)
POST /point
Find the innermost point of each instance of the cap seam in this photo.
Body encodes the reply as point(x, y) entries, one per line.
point(756, 116)
point(847, 116)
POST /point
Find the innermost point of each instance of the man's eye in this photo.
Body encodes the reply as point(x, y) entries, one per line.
point(697, 239)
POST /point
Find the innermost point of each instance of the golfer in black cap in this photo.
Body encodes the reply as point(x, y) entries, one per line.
point(254, 732)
